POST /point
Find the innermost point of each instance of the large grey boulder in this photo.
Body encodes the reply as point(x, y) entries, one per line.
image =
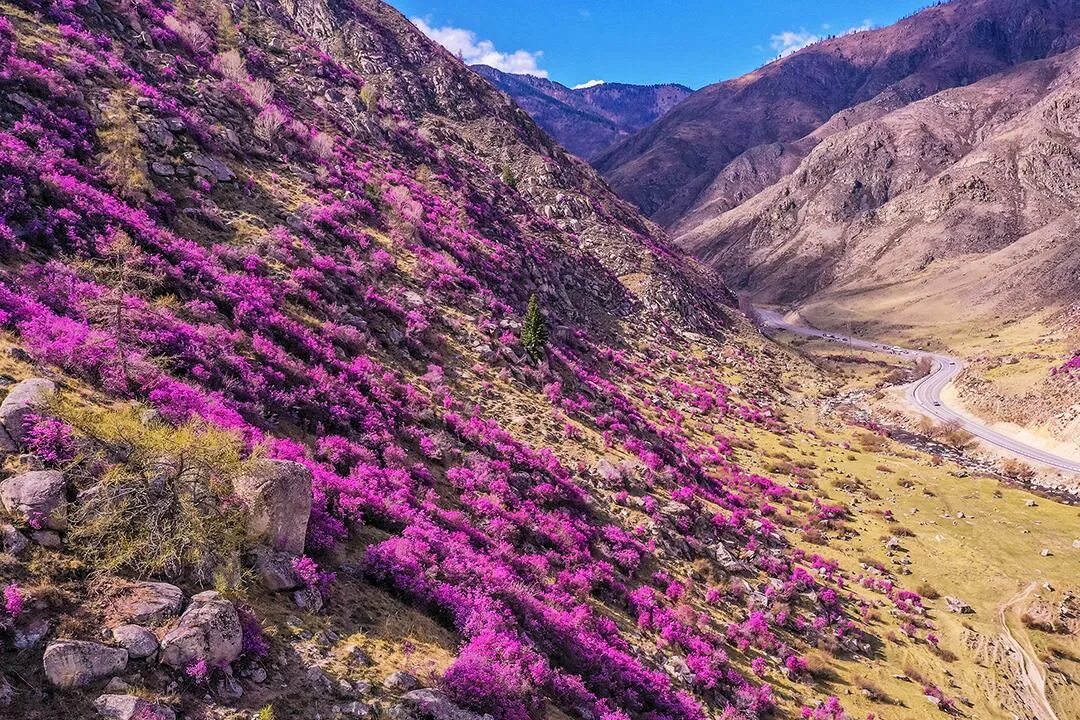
point(39, 496)
point(130, 707)
point(429, 704)
point(150, 603)
point(76, 663)
point(24, 399)
point(278, 495)
point(138, 641)
point(209, 630)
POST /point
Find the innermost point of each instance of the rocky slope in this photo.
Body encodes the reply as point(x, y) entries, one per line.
point(587, 121)
point(967, 197)
point(728, 141)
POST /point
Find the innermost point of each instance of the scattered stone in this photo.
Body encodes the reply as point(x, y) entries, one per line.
point(275, 570)
point(893, 543)
point(39, 497)
point(308, 599)
point(47, 539)
point(30, 636)
point(1045, 552)
point(208, 630)
point(956, 605)
point(130, 707)
point(12, 541)
point(227, 688)
point(23, 400)
point(76, 663)
point(1076, 544)
point(355, 709)
point(212, 165)
point(116, 686)
point(162, 169)
point(278, 492)
point(150, 603)
point(138, 641)
point(401, 682)
point(428, 704)
point(1030, 503)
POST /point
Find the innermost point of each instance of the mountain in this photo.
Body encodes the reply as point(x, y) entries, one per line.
point(728, 141)
point(587, 121)
point(967, 198)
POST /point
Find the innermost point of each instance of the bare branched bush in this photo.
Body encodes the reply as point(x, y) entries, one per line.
point(322, 144)
point(261, 92)
point(269, 122)
point(231, 66)
point(190, 33)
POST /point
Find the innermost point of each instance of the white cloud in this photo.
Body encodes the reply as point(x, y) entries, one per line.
point(475, 51)
point(587, 85)
point(789, 41)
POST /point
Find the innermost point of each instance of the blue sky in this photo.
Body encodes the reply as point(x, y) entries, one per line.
point(694, 42)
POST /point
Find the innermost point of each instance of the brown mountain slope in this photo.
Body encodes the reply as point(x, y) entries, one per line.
point(587, 121)
point(458, 109)
point(669, 168)
point(968, 196)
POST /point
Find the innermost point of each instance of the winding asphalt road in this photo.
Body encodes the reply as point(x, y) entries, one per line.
point(925, 394)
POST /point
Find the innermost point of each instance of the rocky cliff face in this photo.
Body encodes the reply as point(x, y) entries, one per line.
point(587, 121)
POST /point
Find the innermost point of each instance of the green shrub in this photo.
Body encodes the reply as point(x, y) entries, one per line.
point(158, 499)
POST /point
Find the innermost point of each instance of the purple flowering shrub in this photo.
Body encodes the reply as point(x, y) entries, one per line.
point(371, 337)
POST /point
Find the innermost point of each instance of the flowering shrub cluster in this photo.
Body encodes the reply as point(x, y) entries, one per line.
point(338, 339)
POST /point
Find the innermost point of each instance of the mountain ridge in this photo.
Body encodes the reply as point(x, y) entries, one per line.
point(587, 121)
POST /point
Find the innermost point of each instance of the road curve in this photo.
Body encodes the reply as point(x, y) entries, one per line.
point(925, 394)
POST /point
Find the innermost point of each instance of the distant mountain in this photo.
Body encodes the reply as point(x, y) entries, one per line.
point(968, 199)
point(587, 121)
point(731, 140)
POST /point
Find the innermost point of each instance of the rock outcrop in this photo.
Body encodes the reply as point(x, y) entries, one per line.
point(208, 630)
point(39, 497)
point(278, 495)
point(76, 663)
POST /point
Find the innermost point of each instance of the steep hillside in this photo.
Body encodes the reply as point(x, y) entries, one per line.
point(332, 388)
point(730, 140)
point(587, 121)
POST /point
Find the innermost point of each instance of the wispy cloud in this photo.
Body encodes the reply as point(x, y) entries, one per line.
point(589, 84)
point(476, 51)
point(790, 41)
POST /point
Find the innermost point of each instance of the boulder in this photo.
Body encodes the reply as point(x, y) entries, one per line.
point(29, 636)
point(39, 496)
point(76, 663)
point(139, 642)
point(278, 494)
point(401, 681)
point(130, 707)
point(47, 539)
point(275, 570)
point(208, 630)
point(12, 541)
point(23, 400)
point(428, 704)
point(149, 603)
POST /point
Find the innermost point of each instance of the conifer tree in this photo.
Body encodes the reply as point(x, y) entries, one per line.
point(534, 332)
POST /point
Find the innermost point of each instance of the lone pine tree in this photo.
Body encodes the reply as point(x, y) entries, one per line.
point(534, 332)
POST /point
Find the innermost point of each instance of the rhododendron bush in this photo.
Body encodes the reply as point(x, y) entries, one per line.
point(371, 333)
